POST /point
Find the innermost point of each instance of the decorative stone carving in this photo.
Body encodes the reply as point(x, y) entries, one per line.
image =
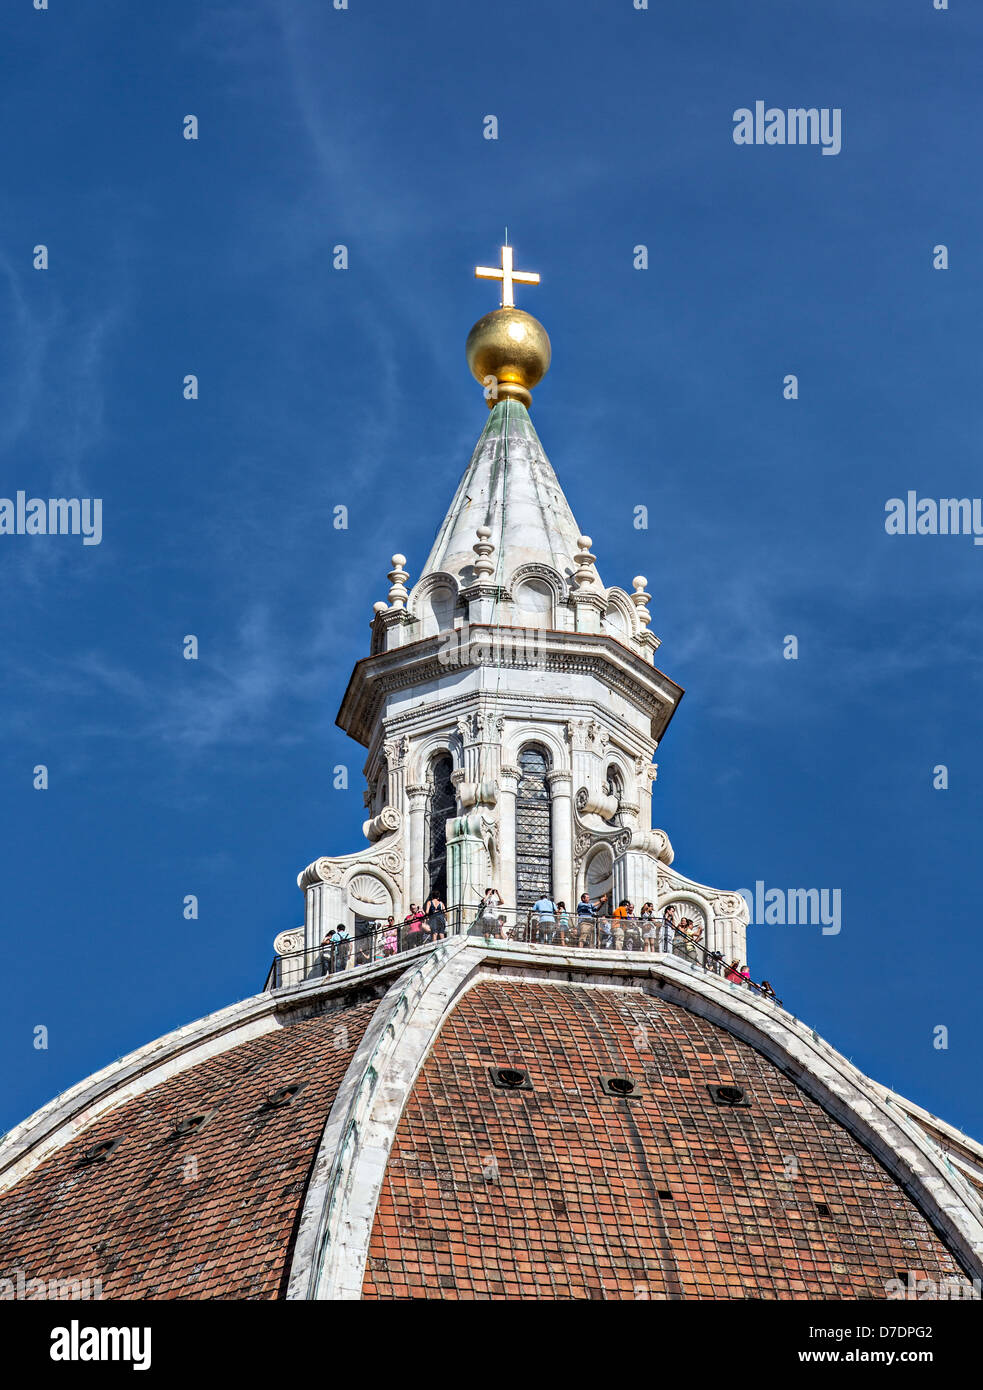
point(398, 576)
point(654, 842)
point(484, 793)
point(685, 907)
point(507, 771)
point(559, 779)
point(641, 600)
point(287, 942)
point(622, 842)
point(385, 823)
point(730, 905)
point(585, 575)
point(490, 834)
point(584, 842)
point(484, 566)
point(392, 860)
point(597, 737)
point(599, 870)
point(367, 889)
point(597, 804)
point(396, 750)
point(328, 871)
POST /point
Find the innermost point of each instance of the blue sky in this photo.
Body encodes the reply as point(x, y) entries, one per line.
point(321, 387)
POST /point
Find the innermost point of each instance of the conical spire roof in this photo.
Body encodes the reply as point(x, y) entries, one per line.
point(510, 487)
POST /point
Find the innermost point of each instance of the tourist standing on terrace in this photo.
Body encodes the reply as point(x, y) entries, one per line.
point(668, 928)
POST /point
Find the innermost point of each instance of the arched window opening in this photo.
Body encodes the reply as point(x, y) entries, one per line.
point(438, 610)
point(616, 624)
point(533, 602)
point(533, 833)
point(441, 805)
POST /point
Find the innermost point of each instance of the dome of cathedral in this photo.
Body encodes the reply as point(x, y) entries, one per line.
point(475, 1122)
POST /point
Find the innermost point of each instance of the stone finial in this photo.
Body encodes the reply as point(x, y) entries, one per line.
point(397, 579)
point(483, 547)
point(641, 599)
point(584, 574)
point(379, 607)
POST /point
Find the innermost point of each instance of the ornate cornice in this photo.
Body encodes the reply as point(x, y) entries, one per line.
point(559, 653)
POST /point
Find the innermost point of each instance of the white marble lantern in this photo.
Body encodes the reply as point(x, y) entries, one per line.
point(510, 709)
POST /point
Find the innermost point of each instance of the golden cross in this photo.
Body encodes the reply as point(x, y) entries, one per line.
point(507, 275)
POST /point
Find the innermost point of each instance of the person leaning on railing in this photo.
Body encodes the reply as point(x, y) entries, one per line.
point(687, 941)
point(735, 975)
point(618, 924)
point(587, 919)
point(562, 925)
point(543, 919)
point(337, 943)
point(649, 927)
point(417, 933)
point(633, 930)
point(667, 934)
point(390, 937)
point(488, 912)
point(434, 910)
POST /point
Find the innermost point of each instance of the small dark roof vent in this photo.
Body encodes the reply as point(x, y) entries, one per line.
point(624, 1087)
point(728, 1095)
point(191, 1124)
point(284, 1096)
point(510, 1078)
point(100, 1152)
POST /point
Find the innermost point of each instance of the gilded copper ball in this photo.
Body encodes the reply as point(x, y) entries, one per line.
point(511, 346)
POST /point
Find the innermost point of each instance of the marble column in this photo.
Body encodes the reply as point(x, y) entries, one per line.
point(561, 824)
point(467, 865)
point(508, 785)
point(416, 847)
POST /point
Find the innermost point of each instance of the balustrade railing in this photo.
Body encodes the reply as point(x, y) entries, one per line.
point(632, 935)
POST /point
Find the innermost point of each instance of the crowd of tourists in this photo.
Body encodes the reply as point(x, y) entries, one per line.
point(590, 924)
point(419, 927)
point(594, 924)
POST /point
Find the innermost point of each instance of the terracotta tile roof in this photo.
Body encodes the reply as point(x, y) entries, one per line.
point(564, 1192)
point(209, 1215)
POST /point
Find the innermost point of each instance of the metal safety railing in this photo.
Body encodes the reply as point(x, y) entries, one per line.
point(572, 931)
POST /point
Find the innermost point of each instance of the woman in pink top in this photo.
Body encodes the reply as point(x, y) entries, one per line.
point(390, 937)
